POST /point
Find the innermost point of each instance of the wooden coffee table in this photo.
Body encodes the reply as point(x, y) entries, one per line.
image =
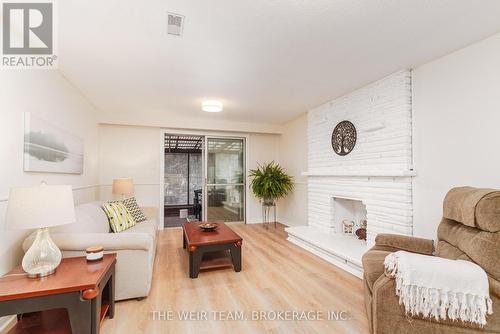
point(209, 250)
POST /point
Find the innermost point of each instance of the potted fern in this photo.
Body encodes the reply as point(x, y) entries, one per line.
point(270, 182)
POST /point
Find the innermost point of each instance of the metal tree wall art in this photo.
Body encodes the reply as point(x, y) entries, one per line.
point(344, 138)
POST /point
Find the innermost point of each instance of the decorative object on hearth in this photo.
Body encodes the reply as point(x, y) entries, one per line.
point(270, 182)
point(361, 230)
point(361, 233)
point(344, 138)
point(41, 207)
point(208, 226)
point(348, 227)
point(363, 223)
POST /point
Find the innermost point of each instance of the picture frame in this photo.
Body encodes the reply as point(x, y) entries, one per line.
point(51, 149)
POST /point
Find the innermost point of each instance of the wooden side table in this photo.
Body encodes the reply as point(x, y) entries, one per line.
point(85, 289)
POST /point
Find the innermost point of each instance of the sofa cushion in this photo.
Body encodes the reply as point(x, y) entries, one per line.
point(119, 217)
point(480, 246)
point(147, 227)
point(134, 209)
point(473, 207)
point(373, 265)
point(90, 218)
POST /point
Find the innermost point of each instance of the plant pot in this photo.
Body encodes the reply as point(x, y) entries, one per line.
point(268, 201)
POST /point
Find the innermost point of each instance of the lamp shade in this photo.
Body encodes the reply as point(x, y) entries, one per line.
point(123, 187)
point(41, 206)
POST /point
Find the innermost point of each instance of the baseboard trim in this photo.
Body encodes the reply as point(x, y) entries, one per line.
point(277, 221)
point(135, 184)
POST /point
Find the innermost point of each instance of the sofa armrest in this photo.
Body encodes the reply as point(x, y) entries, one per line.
point(402, 242)
point(151, 212)
point(109, 241)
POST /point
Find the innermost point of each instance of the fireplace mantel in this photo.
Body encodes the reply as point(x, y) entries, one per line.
point(409, 173)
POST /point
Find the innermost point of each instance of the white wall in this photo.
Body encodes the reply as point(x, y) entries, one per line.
point(457, 126)
point(47, 95)
point(263, 148)
point(160, 119)
point(133, 151)
point(292, 210)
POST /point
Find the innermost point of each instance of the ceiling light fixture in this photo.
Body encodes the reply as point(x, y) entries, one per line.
point(211, 106)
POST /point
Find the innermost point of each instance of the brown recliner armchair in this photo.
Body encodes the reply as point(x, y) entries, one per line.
point(469, 230)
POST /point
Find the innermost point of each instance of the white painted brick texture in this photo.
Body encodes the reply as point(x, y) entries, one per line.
point(385, 151)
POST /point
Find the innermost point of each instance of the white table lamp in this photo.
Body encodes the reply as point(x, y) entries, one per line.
point(123, 187)
point(41, 207)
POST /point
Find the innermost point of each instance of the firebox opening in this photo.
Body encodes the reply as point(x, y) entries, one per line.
point(349, 218)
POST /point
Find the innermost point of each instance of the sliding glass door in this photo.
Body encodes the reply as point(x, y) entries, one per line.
point(225, 179)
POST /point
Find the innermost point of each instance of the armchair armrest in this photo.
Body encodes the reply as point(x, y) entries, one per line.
point(402, 242)
point(109, 241)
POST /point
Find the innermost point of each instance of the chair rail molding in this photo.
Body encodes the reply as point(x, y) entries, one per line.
point(75, 188)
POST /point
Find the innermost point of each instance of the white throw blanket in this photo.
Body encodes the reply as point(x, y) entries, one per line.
point(435, 287)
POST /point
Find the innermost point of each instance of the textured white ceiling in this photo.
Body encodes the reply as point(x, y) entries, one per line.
point(267, 60)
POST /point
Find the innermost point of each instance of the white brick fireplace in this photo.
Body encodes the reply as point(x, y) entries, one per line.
point(376, 176)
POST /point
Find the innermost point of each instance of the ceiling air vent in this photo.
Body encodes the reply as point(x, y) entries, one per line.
point(175, 24)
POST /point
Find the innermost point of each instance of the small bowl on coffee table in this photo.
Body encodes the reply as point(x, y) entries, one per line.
point(207, 227)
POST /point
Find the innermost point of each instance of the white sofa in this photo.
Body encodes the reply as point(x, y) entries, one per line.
point(135, 247)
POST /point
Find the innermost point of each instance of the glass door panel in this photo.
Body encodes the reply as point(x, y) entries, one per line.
point(176, 179)
point(225, 171)
point(225, 203)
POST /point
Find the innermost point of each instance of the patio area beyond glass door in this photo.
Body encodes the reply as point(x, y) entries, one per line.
point(225, 179)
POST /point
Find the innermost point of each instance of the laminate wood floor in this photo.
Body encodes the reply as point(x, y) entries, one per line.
point(174, 221)
point(276, 276)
